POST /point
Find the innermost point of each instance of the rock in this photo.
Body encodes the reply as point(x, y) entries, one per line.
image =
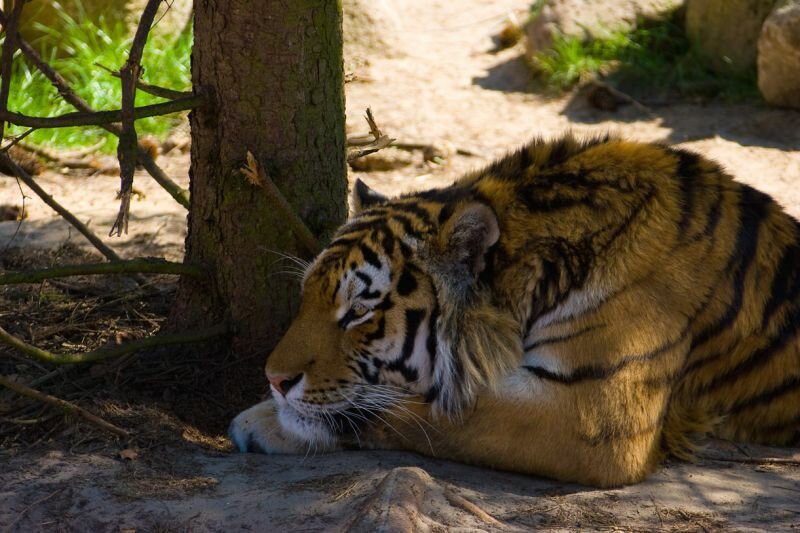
point(587, 18)
point(779, 57)
point(370, 30)
point(725, 32)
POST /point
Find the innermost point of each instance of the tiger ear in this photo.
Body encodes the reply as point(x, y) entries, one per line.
point(362, 197)
point(466, 237)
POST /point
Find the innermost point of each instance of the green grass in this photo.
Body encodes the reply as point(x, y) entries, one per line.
point(654, 58)
point(82, 44)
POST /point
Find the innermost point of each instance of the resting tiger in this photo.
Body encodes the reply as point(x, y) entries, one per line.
point(577, 310)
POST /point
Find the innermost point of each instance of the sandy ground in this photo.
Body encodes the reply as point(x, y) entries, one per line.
point(439, 83)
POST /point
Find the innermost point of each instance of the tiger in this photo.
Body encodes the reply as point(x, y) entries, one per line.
point(579, 309)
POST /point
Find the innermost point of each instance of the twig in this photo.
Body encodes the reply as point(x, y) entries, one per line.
point(255, 175)
point(59, 156)
point(155, 90)
point(64, 405)
point(379, 140)
point(65, 90)
point(28, 180)
point(9, 47)
point(109, 352)
point(145, 266)
point(17, 139)
point(100, 118)
point(128, 141)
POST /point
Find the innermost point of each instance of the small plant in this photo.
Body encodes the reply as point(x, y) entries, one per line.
point(82, 46)
point(653, 57)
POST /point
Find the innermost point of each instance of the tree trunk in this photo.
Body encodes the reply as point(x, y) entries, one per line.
point(274, 73)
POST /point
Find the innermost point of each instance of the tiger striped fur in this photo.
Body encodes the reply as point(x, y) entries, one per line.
point(577, 309)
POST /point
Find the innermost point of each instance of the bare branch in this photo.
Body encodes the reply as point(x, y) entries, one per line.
point(65, 90)
point(28, 180)
point(256, 176)
point(17, 139)
point(9, 47)
point(128, 142)
point(378, 142)
point(144, 266)
point(155, 90)
point(101, 118)
point(64, 405)
point(110, 352)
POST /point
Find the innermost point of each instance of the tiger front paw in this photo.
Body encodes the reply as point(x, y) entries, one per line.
point(259, 430)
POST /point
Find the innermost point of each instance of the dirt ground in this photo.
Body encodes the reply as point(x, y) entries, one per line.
point(437, 81)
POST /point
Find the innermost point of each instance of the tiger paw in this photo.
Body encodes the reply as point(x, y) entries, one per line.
point(258, 430)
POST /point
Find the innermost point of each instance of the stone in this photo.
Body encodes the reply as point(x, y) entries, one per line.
point(779, 57)
point(724, 33)
point(587, 18)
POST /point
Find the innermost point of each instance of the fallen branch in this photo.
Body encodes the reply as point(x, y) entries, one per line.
point(100, 118)
point(65, 90)
point(110, 352)
point(64, 405)
point(28, 180)
point(255, 175)
point(141, 266)
point(128, 140)
point(379, 140)
point(155, 90)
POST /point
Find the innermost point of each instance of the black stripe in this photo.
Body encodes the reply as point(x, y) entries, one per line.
point(414, 318)
point(767, 396)
point(688, 172)
point(785, 283)
point(407, 224)
point(370, 256)
point(362, 224)
point(753, 209)
point(415, 209)
point(364, 277)
point(407, 283)
point(627, 221)
point(562, 338)
point(789, 331)
point(379, 333)
point(594, 372)
point(432, 343)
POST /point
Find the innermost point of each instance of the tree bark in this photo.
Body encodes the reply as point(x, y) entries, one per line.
point(273, 73)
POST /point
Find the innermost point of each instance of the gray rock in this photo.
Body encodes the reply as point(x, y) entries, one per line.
point(779, 56)
point(725, 32)
point(587, 18)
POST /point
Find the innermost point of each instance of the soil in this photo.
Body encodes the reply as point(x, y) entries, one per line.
point(442, 84)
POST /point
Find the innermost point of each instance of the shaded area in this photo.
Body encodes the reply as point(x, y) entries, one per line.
point(368, 491)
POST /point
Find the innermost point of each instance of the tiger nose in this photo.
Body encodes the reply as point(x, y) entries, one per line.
point(283, 383)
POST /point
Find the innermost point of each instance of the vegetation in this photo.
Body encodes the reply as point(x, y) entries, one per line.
point(655, 57)
point(82, 46)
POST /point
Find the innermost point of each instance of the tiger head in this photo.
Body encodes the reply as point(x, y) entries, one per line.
point(395, 306)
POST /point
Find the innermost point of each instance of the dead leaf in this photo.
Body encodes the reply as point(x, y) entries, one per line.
point(129, 454)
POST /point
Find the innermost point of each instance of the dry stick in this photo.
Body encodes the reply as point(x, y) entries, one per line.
point(9, 47)
point(101, 118)
point(17, 139)
point(64, 405)
point(144, 266)
point(128, 141)
point(379, 142)
point(155, 90)
point(180, 194)
point(109, 352)
point(58, 208)
point(255, 175)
